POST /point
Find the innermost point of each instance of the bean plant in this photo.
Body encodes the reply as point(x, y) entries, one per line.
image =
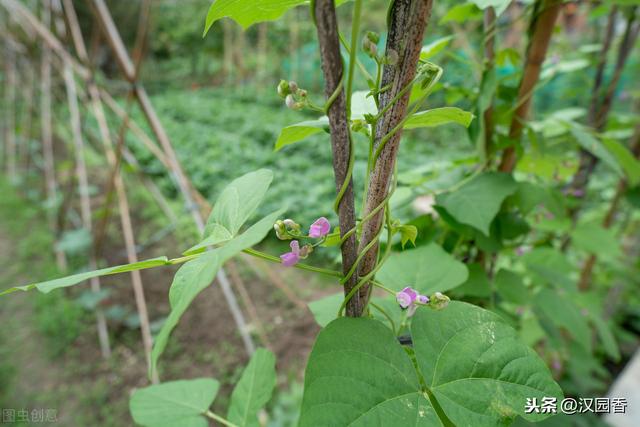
point(398, 347)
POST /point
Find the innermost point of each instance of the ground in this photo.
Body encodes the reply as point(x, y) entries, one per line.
point(86, 390)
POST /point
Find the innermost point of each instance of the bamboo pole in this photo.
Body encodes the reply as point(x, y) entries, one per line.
point(82, 179)
point(123, 203)
point(113, 37)
point(51, 185)
point(10, 105)
point(85, 200)
point(545, 15)
point(25, 143)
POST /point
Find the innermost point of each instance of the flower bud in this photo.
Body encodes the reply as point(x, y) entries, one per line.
point(438, 301)
point(283, 89)
point(293, 86)
point(292, 227)
point(357, 125)
point(369, 47)
point(291, 103)
point(372, 37)
point(281, 230)
point(306, 250)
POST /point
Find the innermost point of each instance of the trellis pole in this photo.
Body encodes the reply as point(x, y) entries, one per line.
point(123, 203)
point(85, 198)
point(10, 96)
point(124, 61)
point(51, 185)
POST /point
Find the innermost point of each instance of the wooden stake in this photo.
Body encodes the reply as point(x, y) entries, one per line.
point(122, 57)
point(85, 200)
point(47, 137)
point(543, 22)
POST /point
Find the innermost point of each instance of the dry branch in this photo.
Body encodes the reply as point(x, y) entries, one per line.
point(408, 20)
point(332, 68)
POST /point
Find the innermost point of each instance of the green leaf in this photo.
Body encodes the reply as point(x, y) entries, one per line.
point(593, 145)
point(299, 131)
point(176, 403)
point(470, 360)
point(477, 368)
point(510, 287)
point(551, 266)
point(325, 309)
point(408, 233)
point(477, 284)
point(248, 12)
point(563, 313)
point(359, 376)
point(595, 239)
point(625, 158)
point(461, 13)
point(606, 336)
point(237, 202)
point(499, 5)
point(197, 274)
point(63, 282)
point(427, 269)
point(253, 390)
point(435, 47)
point(439, 117)
point(188, 282)
point(478, 201)
point(564, 67)
point(362, 104)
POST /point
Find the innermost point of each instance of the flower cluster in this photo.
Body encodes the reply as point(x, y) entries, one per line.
point(410, 299)
point(370, 47)
point(294, 97)
point(288, 229)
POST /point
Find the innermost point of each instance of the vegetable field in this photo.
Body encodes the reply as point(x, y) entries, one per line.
point(319, 213)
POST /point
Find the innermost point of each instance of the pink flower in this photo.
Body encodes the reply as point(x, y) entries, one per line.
point(406, 297)
point(290, 259)
point(319, 228)
point(410, 299)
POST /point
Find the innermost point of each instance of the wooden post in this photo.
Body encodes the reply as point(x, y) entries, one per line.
point(332, 68)
point(123, 203)
point(128, 69)
point(51, 185)
point(85, 200)
point(408, 20)
point(545, 15)
point(10, 105)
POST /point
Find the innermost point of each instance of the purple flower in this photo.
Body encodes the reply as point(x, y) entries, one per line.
point(290, 259)
point(319, 228)
point(406, 297)
point(410, 299)
point(578, 192)
point(423, 299)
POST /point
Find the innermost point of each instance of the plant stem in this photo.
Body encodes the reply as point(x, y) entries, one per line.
point(301, 266)
point(219, 419)
point(355, 30)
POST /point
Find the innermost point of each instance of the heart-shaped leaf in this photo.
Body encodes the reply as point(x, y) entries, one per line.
point(358, 375)
point(468, 359)
point(427, 269)
point(253, 390)
point(478, 201)
point(476, 367)
point(176, 403)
